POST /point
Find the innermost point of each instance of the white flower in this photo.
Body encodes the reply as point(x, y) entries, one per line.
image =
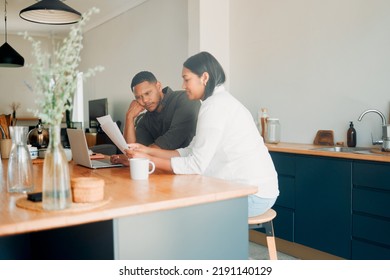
point(56, 75)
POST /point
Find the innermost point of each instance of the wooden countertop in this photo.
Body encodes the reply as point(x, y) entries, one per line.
point(127, 197)
point(307, 149)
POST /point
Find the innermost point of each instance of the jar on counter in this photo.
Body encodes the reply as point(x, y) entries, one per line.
point(273, 131)
point(33, 151)
point(263, 117)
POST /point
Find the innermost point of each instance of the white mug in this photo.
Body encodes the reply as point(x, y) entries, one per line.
point(140, 168)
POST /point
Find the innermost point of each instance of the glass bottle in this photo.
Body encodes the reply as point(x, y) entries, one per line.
point(351, 136)
point(273, 131)
point(56, 180)
point(20, 174)
point(263, 122)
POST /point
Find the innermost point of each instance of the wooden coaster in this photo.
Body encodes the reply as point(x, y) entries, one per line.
point(75, 207)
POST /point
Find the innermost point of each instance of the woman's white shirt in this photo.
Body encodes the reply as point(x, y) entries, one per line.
point(227, 145)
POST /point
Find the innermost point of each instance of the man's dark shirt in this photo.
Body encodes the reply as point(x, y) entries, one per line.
point(173, 127)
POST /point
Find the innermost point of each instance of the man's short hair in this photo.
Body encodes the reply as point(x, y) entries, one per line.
point(143, 76)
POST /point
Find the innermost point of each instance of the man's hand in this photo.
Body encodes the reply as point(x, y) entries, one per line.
point(129, 131)
point(134, 110)
point(123, 159)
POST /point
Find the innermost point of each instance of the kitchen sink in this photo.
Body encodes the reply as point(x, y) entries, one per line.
point(357, 150)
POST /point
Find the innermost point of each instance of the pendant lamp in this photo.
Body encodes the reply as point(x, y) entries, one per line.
point(8, 56)
point(52, 12)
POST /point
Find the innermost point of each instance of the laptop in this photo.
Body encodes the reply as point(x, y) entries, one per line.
point(80, 152)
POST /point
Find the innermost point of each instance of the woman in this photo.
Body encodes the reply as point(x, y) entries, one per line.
point(227, 144)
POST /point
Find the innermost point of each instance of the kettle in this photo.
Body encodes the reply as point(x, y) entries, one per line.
point(39, 136)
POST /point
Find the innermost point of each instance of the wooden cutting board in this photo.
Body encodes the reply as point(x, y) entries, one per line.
point(324, 137)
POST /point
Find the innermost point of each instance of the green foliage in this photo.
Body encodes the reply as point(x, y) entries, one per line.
point(56, 74)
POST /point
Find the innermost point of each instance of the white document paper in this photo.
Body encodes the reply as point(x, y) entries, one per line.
point(112, 130)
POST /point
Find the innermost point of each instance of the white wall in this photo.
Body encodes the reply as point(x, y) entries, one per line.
point(152, 36)
point(208, 25)
point(12, 80)
point(314, 64)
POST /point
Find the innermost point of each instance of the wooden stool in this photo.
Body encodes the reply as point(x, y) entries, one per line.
point(265, 221)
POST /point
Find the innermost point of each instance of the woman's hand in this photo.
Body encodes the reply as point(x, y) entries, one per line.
point(136, 150)
point(136, 147)
point(160, 157)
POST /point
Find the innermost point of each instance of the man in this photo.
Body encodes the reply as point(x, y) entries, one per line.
point(170, 118)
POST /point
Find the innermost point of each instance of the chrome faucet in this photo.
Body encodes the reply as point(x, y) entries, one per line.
point(385, 141)
point(373, 111)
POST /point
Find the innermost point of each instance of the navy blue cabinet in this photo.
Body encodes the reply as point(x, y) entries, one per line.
point(335, 205)
point(68, 243)
point(371, 211)
point(323, 204)
point(285, 204)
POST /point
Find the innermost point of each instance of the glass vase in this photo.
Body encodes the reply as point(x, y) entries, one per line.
point(20, 173)
point(56, 180)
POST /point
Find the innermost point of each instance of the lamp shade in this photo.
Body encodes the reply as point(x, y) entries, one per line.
point(52, 12)
point(9, 57)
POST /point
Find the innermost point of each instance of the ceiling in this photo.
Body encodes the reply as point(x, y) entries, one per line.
point(108, 10)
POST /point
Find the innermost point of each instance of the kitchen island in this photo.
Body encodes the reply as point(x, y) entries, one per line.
point(165, 217)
